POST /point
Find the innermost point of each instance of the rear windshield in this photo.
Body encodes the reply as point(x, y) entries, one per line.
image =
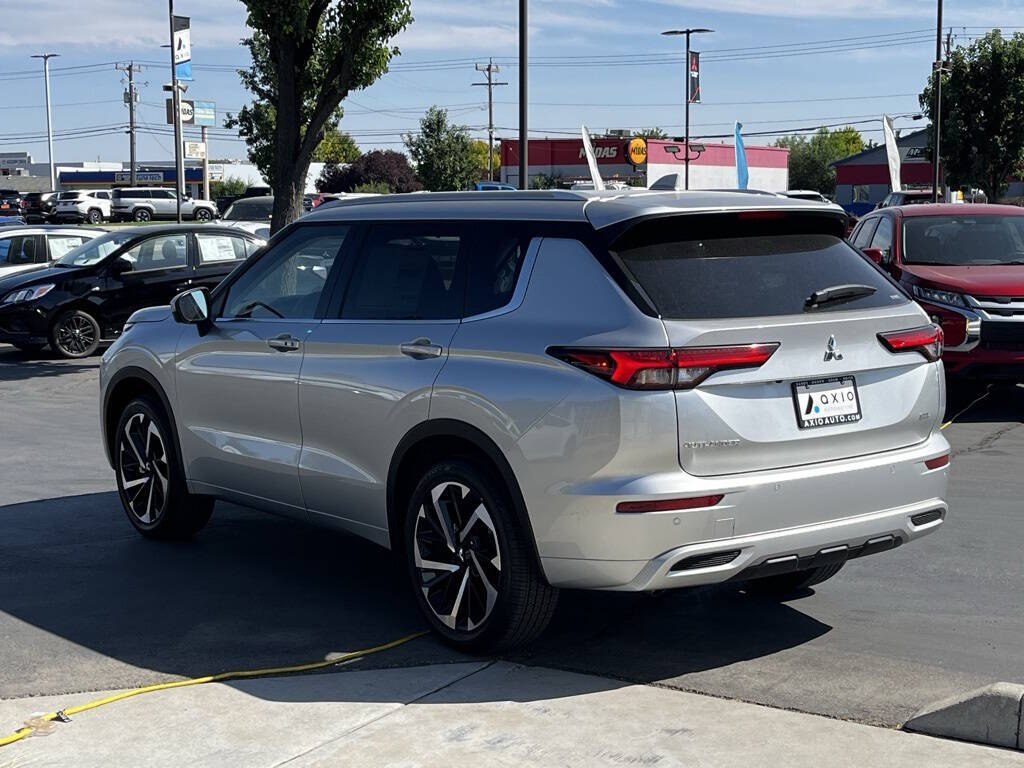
point(753, 276)
point(963, 240)
point(250, 210)
point(70, 195)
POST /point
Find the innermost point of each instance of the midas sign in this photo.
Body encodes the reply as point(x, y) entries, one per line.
point(637, 151)
point(608, 153)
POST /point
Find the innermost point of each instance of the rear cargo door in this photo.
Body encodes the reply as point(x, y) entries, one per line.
point(831, 389)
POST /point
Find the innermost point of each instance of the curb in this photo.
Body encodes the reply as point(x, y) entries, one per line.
point(992, 715)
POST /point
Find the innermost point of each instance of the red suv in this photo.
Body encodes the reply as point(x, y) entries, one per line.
point(965, 265)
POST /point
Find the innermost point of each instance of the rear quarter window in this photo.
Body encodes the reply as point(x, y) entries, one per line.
point(771, 271)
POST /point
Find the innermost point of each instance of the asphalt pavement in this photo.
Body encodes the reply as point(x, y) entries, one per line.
point(87, 605)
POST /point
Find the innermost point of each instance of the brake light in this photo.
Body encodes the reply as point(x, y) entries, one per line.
point(927, 340)
point(668, 505)
point(681, 368)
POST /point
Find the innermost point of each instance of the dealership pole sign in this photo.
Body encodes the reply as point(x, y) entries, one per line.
point(182, 41)
point(693, 80)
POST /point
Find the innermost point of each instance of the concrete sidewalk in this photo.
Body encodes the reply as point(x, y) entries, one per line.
point(467, 714)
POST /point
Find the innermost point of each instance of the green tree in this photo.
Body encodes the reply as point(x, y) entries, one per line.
point(443, 152)
point(336, 147)
point(811, 158)
point(651, 133)
point(230, 186)
point(387, 167)
point(307, 56)
point(982, 104)
point(478, 148)
point(376, 187)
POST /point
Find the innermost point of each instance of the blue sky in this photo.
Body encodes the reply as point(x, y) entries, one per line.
point(769, 94)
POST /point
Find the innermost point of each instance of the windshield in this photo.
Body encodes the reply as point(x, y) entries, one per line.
point(963, 240)
point(249, 210)
point(95, 251)
point(70, 195)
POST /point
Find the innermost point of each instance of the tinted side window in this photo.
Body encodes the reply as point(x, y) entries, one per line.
point(882, 238)
point(867, 229)
point(162, 252)
point(17, 251)
point(496, 257)
point(287, 281)
point(407, 272)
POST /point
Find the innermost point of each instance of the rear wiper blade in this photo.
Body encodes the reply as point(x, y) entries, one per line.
point(837, 293)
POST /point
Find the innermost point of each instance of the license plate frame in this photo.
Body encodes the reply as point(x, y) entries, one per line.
point(834, 385)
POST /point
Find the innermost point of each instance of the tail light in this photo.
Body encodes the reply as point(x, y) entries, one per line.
point(938, 461)
point(668, 505)
point(927, 340)
point(681, 368)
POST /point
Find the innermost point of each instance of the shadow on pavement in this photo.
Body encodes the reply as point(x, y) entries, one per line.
point(970, 403)
point(89, 605)
point(16, 365)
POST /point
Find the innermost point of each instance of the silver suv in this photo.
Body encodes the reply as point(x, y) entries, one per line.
point(537, 390)
point(151, 203)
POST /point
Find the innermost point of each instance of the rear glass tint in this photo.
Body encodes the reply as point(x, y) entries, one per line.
point(768, 274)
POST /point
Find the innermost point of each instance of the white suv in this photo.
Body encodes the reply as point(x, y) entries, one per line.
point(91, 205)
point(149, 203)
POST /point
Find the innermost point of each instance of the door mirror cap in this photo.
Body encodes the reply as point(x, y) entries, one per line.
point(191, 307)
point(875, 254)
point(119, 266)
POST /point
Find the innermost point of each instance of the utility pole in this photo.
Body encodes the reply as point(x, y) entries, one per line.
point(686, 158)
point(206, 164)
point(491, 70)
point(49, 122)
point(131, 97)
point(179, 164)
point(937, 69)
point(524, 66)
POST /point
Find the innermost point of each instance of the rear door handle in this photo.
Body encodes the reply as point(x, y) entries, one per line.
point(283, 343)
point(420, 349)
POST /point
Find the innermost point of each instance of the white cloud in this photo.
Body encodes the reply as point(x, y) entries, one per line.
point(988, 12)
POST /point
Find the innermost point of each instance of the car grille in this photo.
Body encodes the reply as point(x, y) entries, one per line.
point(1002, 335)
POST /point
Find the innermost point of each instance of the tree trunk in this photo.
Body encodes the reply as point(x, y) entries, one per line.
point(290, 169)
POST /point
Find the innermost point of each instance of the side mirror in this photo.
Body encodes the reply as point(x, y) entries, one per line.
point(119, 266)
point(875, 254)
point(191, 307)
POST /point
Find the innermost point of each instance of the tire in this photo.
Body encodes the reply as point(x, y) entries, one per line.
point(94, 216)
point(142, 214)
point(790, 583)
point(75, 334)
point(150, 478)
point(202, 214)
point(486, 593)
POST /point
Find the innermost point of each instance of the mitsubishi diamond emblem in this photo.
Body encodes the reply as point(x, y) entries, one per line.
point(832, 351)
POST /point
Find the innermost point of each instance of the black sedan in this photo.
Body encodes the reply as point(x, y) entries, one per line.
point(82, 300)
point(10, 202)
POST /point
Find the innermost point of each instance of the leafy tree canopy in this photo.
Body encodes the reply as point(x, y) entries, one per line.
point(982, 142)
point(811, 158)
point(387, 168)
point(443, 152)
point(336, 147)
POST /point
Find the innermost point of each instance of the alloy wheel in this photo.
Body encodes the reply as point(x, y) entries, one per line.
point(76, 335)
point(457, 556)
point(144, 469)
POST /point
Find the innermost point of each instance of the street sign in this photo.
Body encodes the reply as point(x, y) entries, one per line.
point(216, 171)
point(205, 112)
point(188, 111)
point(195, 150)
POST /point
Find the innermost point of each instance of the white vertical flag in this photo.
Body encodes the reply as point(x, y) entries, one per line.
point(595, 173)
point(892, 152)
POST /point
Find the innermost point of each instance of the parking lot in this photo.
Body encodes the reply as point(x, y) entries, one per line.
point(87, 605)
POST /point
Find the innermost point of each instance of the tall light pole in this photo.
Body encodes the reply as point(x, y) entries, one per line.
point(179, 164)
point(686, 157)
point(524, 66)
point(937, 69)
point(49, 123)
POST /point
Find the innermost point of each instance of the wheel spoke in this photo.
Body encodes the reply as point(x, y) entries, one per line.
point(489, 590)
point(452, 618)
point(441, 510)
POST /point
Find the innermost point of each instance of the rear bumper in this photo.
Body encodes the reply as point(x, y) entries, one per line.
point(69, 216)
point(781, 518)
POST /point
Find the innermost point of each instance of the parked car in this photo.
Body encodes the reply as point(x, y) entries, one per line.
point(82, 300)
point(492, 186)
point(91, 205)
point(906, 197)
point(251, 214)
point(12, 221)
point(28, 247)
point(40, 207)
point(806, 194)
point(965, 266)
point(10, 202)
point(535, 390)
point(153, 203)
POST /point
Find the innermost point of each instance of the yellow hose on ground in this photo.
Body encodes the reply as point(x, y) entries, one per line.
point(49, 716)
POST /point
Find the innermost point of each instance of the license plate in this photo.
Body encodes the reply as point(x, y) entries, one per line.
point(4, 205)
point(825, 402)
